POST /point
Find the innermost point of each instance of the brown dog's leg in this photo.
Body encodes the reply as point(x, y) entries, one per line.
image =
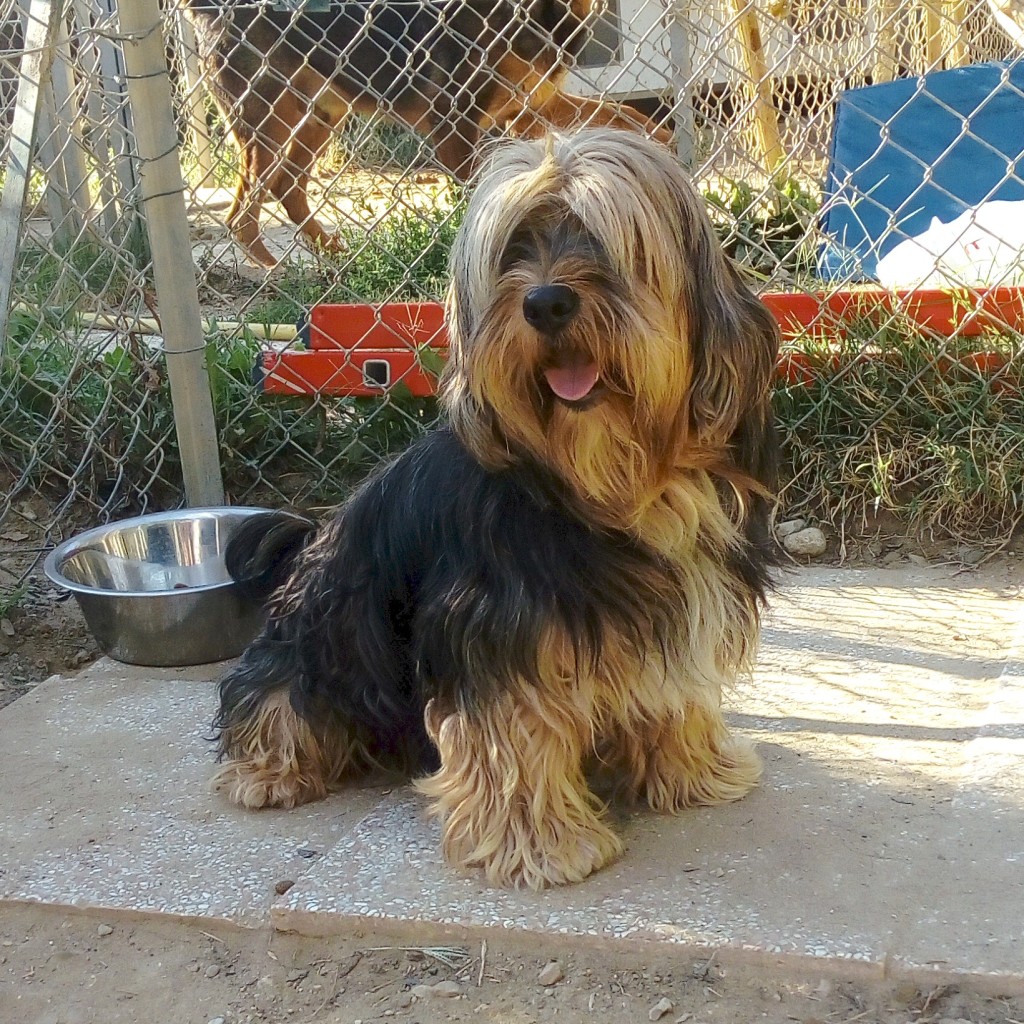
point(243, 219)
point(455, 144)
point(291, 186)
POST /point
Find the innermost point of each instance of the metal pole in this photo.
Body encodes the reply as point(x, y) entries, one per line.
point(33, 71)
point(679, 29)
point(149, 90)
point(196, 101)
point(118, 117)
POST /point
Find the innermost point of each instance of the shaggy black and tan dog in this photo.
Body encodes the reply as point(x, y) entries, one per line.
point(450, 70)
point(566, 575)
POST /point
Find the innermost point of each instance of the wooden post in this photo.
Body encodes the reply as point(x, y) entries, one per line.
point(63, 223)
point(954, 32)
point(766, 117)
point(68, 124)
point(97, 134)
point(883, 16)
point(33, 74)
point(933, 35)
point(163, 200)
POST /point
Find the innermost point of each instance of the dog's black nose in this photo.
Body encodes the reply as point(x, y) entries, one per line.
point(550, 307)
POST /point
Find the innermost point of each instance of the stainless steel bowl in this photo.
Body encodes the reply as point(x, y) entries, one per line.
point(154, 589)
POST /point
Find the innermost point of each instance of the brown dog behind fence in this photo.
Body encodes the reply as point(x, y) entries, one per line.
point(451, 71)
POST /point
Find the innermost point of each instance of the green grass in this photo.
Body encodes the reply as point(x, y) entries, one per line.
point(70, 279)
point(766, 233)
point(907, 431)
point(401, 258)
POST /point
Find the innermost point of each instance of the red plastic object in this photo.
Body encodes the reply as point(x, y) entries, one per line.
point(965, 314)
point(364, 350)
point(394, 325)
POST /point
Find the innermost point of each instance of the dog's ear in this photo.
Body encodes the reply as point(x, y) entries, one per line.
point(733, 338)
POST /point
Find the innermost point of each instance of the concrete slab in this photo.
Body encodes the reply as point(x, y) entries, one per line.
point(104, 802)
point(888, 834)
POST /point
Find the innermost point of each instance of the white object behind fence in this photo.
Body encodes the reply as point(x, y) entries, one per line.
point(980, 248)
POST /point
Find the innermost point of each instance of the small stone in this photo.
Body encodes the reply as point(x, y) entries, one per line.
point(807, 543)
point(783, 530)
point(296, 975)
point(906, 992)
point(306, 853)
point(916, 559)
point(104, 929)
point(442, 990)
point(215, 1020)
point(79, 658)
point(283, 886)
point(6, 627)
point(659, 1009)
point(550, 974)
point(212, 971)
point(891, 557)
point(970, 556)
point(405, 1000)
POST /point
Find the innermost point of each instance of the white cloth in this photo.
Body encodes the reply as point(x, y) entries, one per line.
point(984, 246)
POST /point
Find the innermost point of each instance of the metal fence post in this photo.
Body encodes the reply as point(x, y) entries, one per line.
point(34, 70)
point(679, 30)
point(149, 92)
point(119, 141)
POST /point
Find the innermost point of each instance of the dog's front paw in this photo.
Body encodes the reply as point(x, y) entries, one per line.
point(515, 855)
point(577, 855)
point(512, 797)
point(254, 787)
point(678, 777)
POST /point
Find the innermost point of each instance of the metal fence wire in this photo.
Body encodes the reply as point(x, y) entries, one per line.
point(323, 150)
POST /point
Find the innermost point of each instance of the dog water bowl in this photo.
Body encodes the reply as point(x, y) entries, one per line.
point(154, 589)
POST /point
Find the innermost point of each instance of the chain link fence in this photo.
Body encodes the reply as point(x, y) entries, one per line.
point(324, 149)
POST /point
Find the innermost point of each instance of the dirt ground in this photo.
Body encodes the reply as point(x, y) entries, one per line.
point(42, 631)
point(86, 969)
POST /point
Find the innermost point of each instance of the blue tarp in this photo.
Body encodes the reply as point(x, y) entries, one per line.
point(904, 152)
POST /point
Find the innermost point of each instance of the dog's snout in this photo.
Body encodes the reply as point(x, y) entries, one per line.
point(550, 307)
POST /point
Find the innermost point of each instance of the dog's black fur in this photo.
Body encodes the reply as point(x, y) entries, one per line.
point(436, 581)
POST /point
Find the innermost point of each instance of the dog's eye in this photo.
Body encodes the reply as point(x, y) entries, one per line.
point(520, 249)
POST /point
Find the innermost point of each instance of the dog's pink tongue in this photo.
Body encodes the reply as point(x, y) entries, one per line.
point(574, 378)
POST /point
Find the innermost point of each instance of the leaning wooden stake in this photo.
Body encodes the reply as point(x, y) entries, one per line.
point(163, 202)
point(766, 117)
